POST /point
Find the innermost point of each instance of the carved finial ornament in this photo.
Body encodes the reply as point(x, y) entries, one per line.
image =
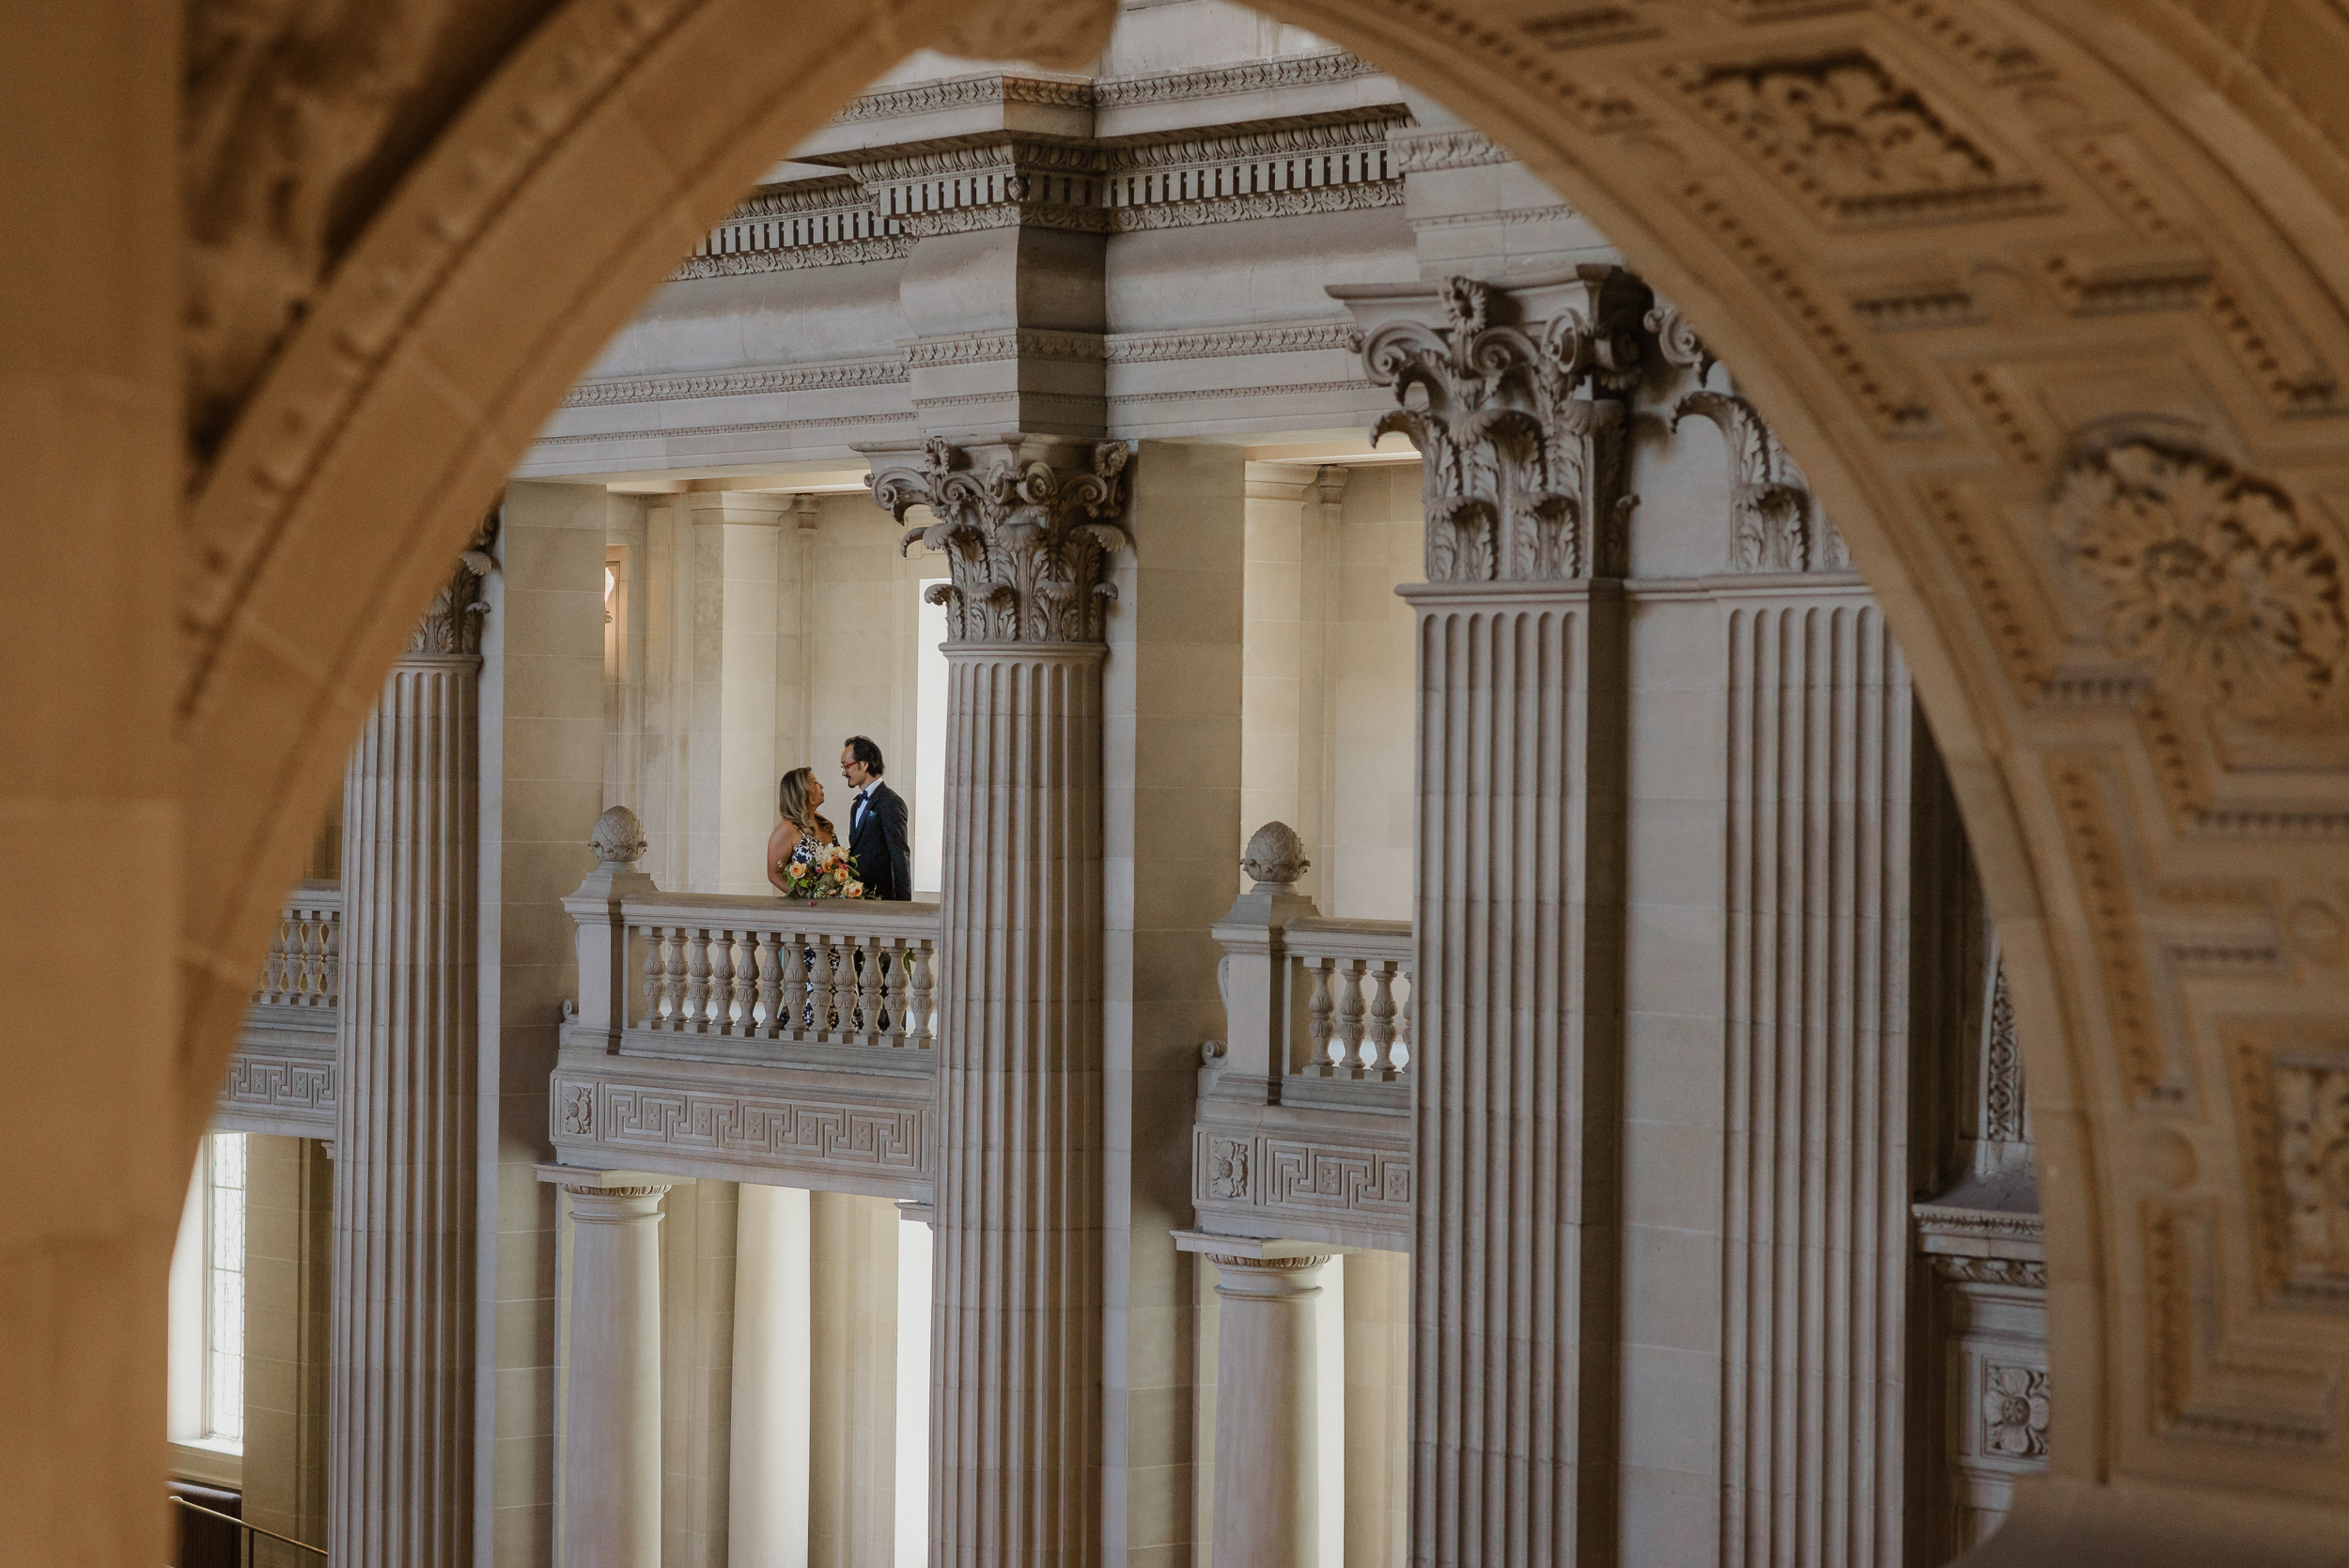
point(1524, 479)
point(1027, 543)
point(451, 623)
point(619, 839)
point(1275, 857)
point(2211, 574)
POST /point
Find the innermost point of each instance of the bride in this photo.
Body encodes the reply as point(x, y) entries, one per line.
point(800, 832)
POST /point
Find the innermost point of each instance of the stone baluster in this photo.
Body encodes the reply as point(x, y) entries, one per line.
point(1016, 1436)
point(1512, 399)
point(400, 1440)
point(610, 1505)
point(919, 989)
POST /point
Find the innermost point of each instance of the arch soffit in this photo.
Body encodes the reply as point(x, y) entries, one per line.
point(2048, 300)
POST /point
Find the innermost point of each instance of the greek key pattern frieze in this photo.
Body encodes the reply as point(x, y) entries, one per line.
point(742, 1125)
point(1303, 1179)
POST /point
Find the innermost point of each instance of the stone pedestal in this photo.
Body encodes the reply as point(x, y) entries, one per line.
point(611, 1504)
point(1267, 1505)
point(1016, 1330)
point(400, 1449)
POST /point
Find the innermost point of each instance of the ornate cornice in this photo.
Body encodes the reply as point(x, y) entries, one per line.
point(1426, 152)
point(1175, 87)
point(821, 375)
point(1027, 539)
point(1305, 337)
point(1108, 92)
point(966, 92)
point(1022, 343)
point(1524, 478)
point(784, 259)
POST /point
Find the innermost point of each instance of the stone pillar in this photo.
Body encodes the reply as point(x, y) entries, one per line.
point(290, 1240)
point(1268, 1493)
point(1016, 1331)
point(611, 1503)
point(852, 1383)
point(400, 1449)
point(1518, 1011)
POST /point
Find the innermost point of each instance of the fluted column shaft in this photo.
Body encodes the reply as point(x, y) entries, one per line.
point(401, 1483)
point(1267, 1453)
point(611, 1411)
point(1518, 1019)
point(1016, 1348)
point(1817, 1201)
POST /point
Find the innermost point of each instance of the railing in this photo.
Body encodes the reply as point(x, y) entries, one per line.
point(836, 972)
point(1304, 1122)
point(246, 1534)
point(1358, 975)
point(303, 969)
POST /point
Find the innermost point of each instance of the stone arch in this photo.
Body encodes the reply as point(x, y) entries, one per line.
point(2049, 301)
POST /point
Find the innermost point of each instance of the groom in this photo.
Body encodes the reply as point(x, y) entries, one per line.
point(876, 823)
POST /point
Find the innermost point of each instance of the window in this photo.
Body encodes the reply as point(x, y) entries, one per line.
point(207, 1312)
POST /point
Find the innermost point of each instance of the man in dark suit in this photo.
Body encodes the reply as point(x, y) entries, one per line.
point(876, 823)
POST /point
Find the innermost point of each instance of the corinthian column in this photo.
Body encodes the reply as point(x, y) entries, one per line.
point(1518, 1011)
point(399, 1449)
point(1017, 1325)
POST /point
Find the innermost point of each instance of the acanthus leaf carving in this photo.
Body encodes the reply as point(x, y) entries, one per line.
point(2210, 574)
point(1855, 141)
point(1027, 541)
point(451, 623)
point(1774, 525)
point(1524, 479)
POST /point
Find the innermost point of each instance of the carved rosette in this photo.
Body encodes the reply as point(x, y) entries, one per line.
point(2211, 575)
point(451, 623)
point(1027, 540)
point(1525, 476)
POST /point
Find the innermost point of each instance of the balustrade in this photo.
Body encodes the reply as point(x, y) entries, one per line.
point(1357, 977)
point(303, 969)
point(829, 974)
point(658, 965)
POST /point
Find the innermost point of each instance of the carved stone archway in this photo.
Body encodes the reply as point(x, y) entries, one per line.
point(2050, 299)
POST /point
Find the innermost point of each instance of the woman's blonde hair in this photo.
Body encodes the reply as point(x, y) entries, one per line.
point(793, 795)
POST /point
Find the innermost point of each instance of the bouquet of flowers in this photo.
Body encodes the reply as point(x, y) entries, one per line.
point(829, 872)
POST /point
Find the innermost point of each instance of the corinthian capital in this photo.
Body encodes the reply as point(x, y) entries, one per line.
point(1513, 398)
point(1027, 525)
point(451, 623)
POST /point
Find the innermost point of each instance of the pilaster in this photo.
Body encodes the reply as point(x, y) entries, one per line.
point(400, 1490)
point(1815, 1207)
point(1512, 399)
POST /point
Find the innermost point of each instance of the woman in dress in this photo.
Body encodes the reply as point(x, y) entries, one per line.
point(800, 829)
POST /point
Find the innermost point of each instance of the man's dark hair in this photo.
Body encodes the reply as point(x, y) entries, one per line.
point(866, 752)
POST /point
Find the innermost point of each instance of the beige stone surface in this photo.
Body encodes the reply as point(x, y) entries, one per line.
point(852, 1365)
point(289, 1250)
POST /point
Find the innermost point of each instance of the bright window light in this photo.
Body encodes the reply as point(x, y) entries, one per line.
point(929, 745)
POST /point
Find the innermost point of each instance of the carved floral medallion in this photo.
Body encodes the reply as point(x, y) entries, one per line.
point(2211, 575)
